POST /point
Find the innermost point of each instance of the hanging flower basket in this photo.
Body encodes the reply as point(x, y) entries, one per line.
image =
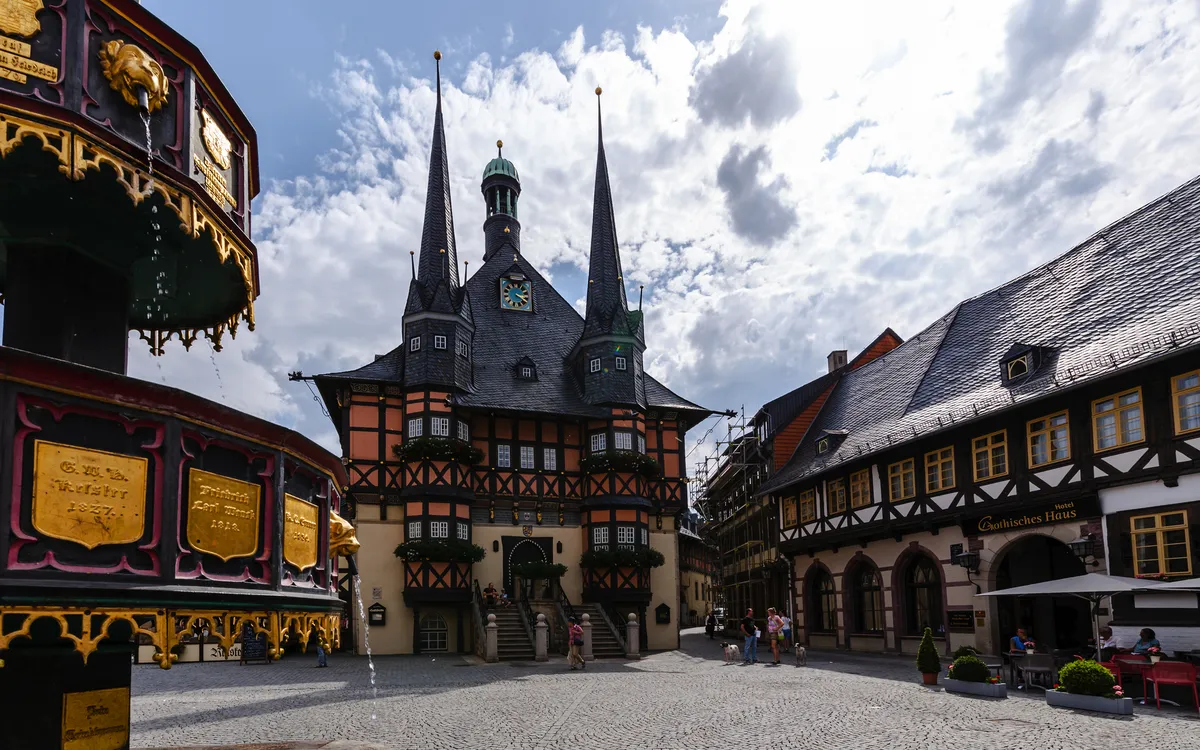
point(630, 462)
point(432, 448)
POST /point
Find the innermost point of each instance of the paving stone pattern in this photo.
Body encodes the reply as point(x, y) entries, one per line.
point(686, 699)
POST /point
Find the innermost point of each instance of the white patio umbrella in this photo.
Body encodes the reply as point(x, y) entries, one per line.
point(1183, 584)
point(1091, 587)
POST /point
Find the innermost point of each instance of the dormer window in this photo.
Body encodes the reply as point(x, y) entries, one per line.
point(822, 446)
point(830, 440)
point(525, 369)
point(1017, 368)
point(1021, 362)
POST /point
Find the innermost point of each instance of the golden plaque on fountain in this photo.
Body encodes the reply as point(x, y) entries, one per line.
point(223, 515)
point(87, 496)
point(300, 532)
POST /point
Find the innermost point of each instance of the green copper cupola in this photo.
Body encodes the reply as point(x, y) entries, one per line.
point(501, 188)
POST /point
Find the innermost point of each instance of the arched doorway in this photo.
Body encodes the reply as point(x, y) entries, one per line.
point(820, 603)
point(1051, 621)
point(921, 597)
point(518, 550)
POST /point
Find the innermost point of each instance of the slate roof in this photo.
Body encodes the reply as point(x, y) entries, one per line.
point(438, 229)
point(781, 411)
point(1124, 296)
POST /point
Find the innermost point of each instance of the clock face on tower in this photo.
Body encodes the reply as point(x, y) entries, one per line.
point(516, 294)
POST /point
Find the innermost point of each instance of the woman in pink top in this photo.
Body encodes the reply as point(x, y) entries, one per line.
point(575, 634)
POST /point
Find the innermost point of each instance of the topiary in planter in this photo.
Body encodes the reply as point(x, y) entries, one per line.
point(1086, 677)
point(928, 662)
point(969, 669)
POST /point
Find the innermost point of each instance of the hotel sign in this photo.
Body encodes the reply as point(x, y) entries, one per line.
point(1030, 516)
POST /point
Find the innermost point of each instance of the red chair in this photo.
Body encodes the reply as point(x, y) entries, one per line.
point(1171, 673)
point(1130, 664)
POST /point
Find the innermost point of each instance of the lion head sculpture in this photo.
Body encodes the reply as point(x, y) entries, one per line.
point(128, 67)
point(341, 536)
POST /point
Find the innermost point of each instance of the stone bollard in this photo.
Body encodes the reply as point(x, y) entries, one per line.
point(539, 639)
point(587, 637)
point(492, 640)
point(631, 637)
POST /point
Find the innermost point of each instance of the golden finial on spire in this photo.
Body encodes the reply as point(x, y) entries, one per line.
point(506, 230)
point(437, 54)
point(599, 91)
point(499, 144)
point(442, 251)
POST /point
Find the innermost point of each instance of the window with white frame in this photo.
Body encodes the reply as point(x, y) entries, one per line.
point(461, 348)
point(645, 537)
point(464, 431)
point(625, 536)
point(595, 365)
point(503, 456)
point(623, 441)
point(414, 344)
point(527, 457)
point(414, 529)
point(549, 459)
point(621, 363)
point(416, 427)
point(600, 537)
point(440, 426)
point(439, 529)
point(599, 442)
point(641, 443)
point(464, 531)
point(439, 342)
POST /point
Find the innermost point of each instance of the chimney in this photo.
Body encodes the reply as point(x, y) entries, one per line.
point(837, 359)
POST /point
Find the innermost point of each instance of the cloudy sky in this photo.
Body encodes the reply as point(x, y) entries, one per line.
point(790, 177)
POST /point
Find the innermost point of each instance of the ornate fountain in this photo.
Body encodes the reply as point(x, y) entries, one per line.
point(135, 515)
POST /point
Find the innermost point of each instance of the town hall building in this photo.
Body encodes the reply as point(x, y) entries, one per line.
point(506, 429)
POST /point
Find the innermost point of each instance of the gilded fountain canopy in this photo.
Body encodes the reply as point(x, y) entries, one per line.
point(119, 141)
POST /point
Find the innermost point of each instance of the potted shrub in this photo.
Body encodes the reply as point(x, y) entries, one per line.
point(962, 651)
point(928, 663)
point(968, 674)
point(1087, 685)
point(531, 572)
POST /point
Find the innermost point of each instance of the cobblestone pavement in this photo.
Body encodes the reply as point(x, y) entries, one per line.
point(683, 699)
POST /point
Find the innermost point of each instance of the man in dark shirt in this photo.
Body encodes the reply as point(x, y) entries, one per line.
point(750, 652)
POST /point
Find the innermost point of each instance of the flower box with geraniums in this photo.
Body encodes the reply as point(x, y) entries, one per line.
point(619, 567)
point(1087, 685)
point(438, 563)
point(968, 674)
point(529, 573)
point(928, 662)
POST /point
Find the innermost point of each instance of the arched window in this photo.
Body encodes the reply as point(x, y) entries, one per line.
point(434, 633)
point(822, 603)
point(868, 600)
point(922, 597)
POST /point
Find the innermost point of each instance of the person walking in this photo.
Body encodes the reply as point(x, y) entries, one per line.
point(774, 632)
point(710, 624)
point(787, 633)
point(750, 652)
point(321, 662)
point(575, 655)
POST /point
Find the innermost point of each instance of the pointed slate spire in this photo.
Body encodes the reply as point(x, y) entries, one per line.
point(437, 234)
point(607, 308)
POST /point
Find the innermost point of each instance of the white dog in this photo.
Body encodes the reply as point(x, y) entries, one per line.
point(801, 656)
point(732, 652)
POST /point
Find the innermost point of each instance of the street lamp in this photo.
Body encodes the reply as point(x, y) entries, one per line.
point(1083, 548)
point(970, 562)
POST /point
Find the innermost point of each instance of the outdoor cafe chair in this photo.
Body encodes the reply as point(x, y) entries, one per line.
point(1171, 673)
point(1035, 665)
point(1112, 667)
point(1130, 664)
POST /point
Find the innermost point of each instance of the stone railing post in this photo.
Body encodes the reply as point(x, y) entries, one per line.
point(539, 638)
point(631, 637)
point(492, 640)
point(587, 637)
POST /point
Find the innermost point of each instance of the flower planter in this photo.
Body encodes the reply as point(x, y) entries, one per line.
point(1118, 706)
point(1154, 659)
point(929, 678)
point(984, 689)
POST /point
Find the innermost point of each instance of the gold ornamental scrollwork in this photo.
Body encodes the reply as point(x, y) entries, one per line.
point(128, 67)
point(20, 17)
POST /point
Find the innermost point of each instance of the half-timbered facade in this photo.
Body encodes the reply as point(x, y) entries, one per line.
point(554, 403)
point(1058, 412)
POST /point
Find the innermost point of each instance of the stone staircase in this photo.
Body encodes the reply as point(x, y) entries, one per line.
point(513, 642)
point(604, 644)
